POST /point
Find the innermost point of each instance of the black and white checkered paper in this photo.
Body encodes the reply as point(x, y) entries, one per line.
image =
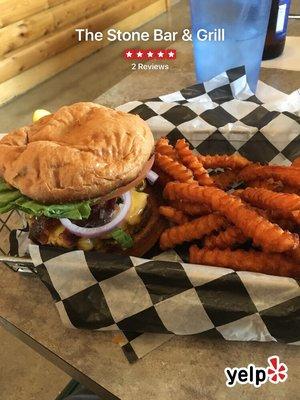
point(143, 298)
point(222, 116)
point(149, 300)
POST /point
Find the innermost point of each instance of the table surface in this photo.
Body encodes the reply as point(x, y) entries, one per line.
point(185, 368)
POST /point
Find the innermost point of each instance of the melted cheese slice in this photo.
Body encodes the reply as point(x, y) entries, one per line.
point(138, 204)
point(54, 236)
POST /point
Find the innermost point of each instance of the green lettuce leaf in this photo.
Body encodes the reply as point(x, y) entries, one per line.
point(4, 187)
point(12, 199)
point(9, 197)
point(5, 208)
point(122, 238)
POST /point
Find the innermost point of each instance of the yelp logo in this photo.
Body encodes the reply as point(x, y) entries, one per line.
point(274, 372)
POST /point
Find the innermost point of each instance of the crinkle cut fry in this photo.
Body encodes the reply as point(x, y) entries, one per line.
point(287, 175)
point(263, 233)
point(288, 204)
point(226, 239)
point(193, 209)
point(285, 219)
point(164, 148)
point(173, 215)
point(163, 178)
point(271, 184)
point(235, 161)
point(241, 260)
point(173, 168)
point(265, 198)
point(296, 163)
point(289, 224)
point(295, 255)
point(296, 216)
point(266, 184)
point(195, 229)
point(225, 179)
point(190, 160)
point(289, 189)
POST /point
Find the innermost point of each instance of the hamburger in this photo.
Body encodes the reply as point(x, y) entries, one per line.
point(81, 175)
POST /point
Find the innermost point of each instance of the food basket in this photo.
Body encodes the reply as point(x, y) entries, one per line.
point(151, 299)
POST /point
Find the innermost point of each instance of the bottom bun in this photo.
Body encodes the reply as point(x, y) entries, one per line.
point(50, 232)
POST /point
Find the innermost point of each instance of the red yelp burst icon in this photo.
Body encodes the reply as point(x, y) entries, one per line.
point(277, 371)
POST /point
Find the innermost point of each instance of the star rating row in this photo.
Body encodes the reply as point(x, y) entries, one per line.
point(149, 54)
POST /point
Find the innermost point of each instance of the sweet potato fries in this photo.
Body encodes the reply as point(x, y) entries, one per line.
point(204, 209)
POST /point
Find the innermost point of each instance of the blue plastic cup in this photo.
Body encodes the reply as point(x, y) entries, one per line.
point(229, 34)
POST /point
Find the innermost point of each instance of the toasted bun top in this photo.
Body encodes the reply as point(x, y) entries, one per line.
point(81, 151)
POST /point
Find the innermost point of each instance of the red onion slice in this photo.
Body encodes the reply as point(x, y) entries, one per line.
point(152, 177)
point(96, 232)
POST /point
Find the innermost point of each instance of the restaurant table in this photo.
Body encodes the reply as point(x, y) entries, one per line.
point(184, 368)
